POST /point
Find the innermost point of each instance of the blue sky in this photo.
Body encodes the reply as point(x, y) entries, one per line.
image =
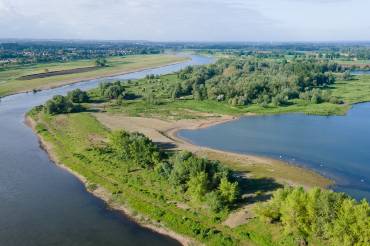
point(187, 20)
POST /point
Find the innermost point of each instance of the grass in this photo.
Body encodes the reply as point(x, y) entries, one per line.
point(10, 82)
point(353, 91)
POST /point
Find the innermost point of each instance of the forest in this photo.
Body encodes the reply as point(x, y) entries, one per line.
point(248, 81)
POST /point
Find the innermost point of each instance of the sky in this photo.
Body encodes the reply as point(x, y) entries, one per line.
point(187, 20)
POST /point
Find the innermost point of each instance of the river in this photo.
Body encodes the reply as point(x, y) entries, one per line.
point(42, 204)
point(335, 146)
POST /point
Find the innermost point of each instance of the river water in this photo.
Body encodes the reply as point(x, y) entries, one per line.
point(42, 204)
point(336, 146)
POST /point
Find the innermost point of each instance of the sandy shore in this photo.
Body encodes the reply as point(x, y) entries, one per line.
point(164, 133)
point(107, 197)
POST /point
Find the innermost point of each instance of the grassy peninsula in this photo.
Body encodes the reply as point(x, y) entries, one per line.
point(121, 137)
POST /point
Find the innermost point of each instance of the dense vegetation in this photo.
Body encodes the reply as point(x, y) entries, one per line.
point(204, 181)
point(254, 81)
point(319, 214)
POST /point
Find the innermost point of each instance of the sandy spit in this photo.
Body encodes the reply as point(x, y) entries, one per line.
point(164, 133)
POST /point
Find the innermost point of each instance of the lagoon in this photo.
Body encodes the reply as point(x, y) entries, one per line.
point(336, 146)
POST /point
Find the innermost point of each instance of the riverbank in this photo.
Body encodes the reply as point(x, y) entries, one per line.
point(103, 194)
point(12, 85)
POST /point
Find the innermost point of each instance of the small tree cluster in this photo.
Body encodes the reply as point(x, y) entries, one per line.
point(203, 180)
point(112, 90)
point(78, 96)
point(317, 96)
point(60, 105)
point(135, 147)
point(101, 62)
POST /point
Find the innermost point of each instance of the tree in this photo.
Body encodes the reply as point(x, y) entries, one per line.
point(197, 186)
point(214, 201)
point(228, 190)
point(78, 96)
point(176, 92)
point(135, 147)
point(101, 62)
point(113, 91)
point(59, 105)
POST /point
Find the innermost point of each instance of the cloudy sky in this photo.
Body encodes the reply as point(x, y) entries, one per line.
point(187, 20)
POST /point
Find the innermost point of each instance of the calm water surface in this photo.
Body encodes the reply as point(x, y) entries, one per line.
point(336, 146)
point(41, 204)
point(360, 72)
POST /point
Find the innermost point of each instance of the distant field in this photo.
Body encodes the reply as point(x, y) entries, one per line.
point(359, 63)
point(29, 77)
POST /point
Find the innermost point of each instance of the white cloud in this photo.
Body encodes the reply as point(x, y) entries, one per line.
point(220, 20)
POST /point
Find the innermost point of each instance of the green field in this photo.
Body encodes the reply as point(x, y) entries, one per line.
point(10, 82)
point(360, 63)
